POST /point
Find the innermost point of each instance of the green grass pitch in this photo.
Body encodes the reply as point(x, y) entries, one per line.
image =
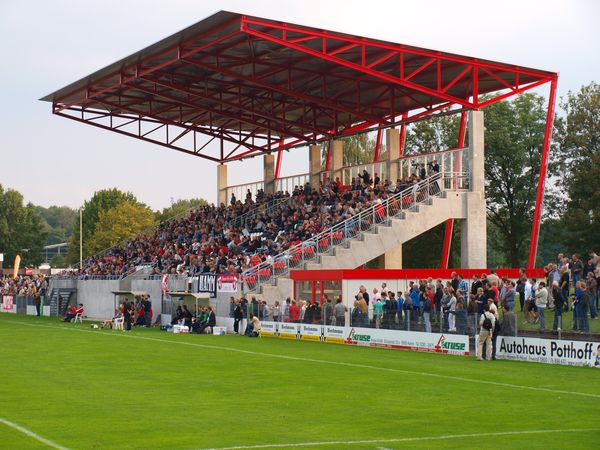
point(80, 388)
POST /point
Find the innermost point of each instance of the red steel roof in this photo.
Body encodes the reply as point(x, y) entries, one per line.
point(253, 85)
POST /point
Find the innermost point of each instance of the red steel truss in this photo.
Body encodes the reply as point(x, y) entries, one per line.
point(235, 86)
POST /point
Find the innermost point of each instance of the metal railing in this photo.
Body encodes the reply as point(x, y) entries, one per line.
point(453, 160)
point(287, 184)
point(352, 228)
point(349, 172)
point(240, 190)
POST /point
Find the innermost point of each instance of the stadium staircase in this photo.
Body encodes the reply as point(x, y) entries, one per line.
point(364, 236)
point(61, 293)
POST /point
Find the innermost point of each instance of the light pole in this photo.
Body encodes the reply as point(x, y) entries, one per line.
point(80, 238)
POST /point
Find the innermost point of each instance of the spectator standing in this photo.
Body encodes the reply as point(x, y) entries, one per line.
point(486, 324)
point(426, 304)
point(509, 321)
point(339, 311)
point(541, 302)
point(559, 304)
point(238, 315)
point(591, 289)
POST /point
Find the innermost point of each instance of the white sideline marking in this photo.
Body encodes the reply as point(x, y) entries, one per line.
point(322, 361)
point(33, 435)
point(406, 439)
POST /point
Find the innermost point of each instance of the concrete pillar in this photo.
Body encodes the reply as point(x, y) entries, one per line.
point(473, 230)
point(269, 174)
point(393, 148)
point(222, 184)
point(337, 160)
point(392, 259)
point(314, 166)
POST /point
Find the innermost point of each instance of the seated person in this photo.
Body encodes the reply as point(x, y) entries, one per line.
point(79, 310)
point(211, 320)
point(253, 327)
point(71, 314)
point(109, 322)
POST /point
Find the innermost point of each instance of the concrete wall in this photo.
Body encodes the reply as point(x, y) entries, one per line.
point(97, 297)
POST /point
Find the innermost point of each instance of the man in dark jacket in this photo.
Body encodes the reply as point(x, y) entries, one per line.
point(238, 315)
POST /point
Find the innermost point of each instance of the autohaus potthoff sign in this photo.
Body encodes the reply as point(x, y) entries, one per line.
point(549, 351)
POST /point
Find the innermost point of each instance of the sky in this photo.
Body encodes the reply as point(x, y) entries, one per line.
point(45, 45)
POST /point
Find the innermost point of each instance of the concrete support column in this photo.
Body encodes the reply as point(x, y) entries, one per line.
point(392, 259)
point(337, 160)
point(222, 184)
point(473, 230)
point(314, 170)
point(393, 147)
point(269, 174)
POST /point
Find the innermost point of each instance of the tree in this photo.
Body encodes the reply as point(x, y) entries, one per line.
point(124, 221)
point(180, 206)
point(433, 135)
point(514, 133)
point(576, 165)
point(21, 229)
point(58, 222)
point(101, 201)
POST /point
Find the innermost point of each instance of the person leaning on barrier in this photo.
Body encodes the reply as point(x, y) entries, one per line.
point(460, 314)
point(339, 312)
point(509, 321)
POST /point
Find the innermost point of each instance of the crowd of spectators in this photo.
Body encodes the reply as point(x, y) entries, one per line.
point(24, 285)
point(455, 305)
point(205, 241)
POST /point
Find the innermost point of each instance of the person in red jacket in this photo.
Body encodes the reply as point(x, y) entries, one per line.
point(294, 312)
point(71, 314)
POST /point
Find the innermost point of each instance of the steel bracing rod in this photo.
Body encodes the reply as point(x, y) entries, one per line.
point(143, 138)
point(221, 112)
point(424, 115)
point(539, 200)
point(361, 41)
point(282, 90)
point(161, 122)
point(197, 95)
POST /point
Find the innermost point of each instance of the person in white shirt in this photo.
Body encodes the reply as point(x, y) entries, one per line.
point(487, 322)
point(529, 297)
point(451, 307)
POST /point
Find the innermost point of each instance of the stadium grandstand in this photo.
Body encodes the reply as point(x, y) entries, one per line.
point(233, 87)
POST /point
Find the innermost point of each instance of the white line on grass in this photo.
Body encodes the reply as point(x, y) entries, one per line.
point(323, 361)
point(31, 434)
point(406, 439)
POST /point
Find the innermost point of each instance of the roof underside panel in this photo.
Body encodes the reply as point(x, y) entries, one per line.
point(258, 85)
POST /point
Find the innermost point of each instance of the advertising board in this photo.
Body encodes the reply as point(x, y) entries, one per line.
point(371, 337)
point(549, 351)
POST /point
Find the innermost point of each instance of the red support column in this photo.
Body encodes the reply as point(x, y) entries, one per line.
point(450, 222)
point(328, 157)
point(278, 162)
point(403, 134)
point(535, 229)
point(447, 243)
point(378, 145)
